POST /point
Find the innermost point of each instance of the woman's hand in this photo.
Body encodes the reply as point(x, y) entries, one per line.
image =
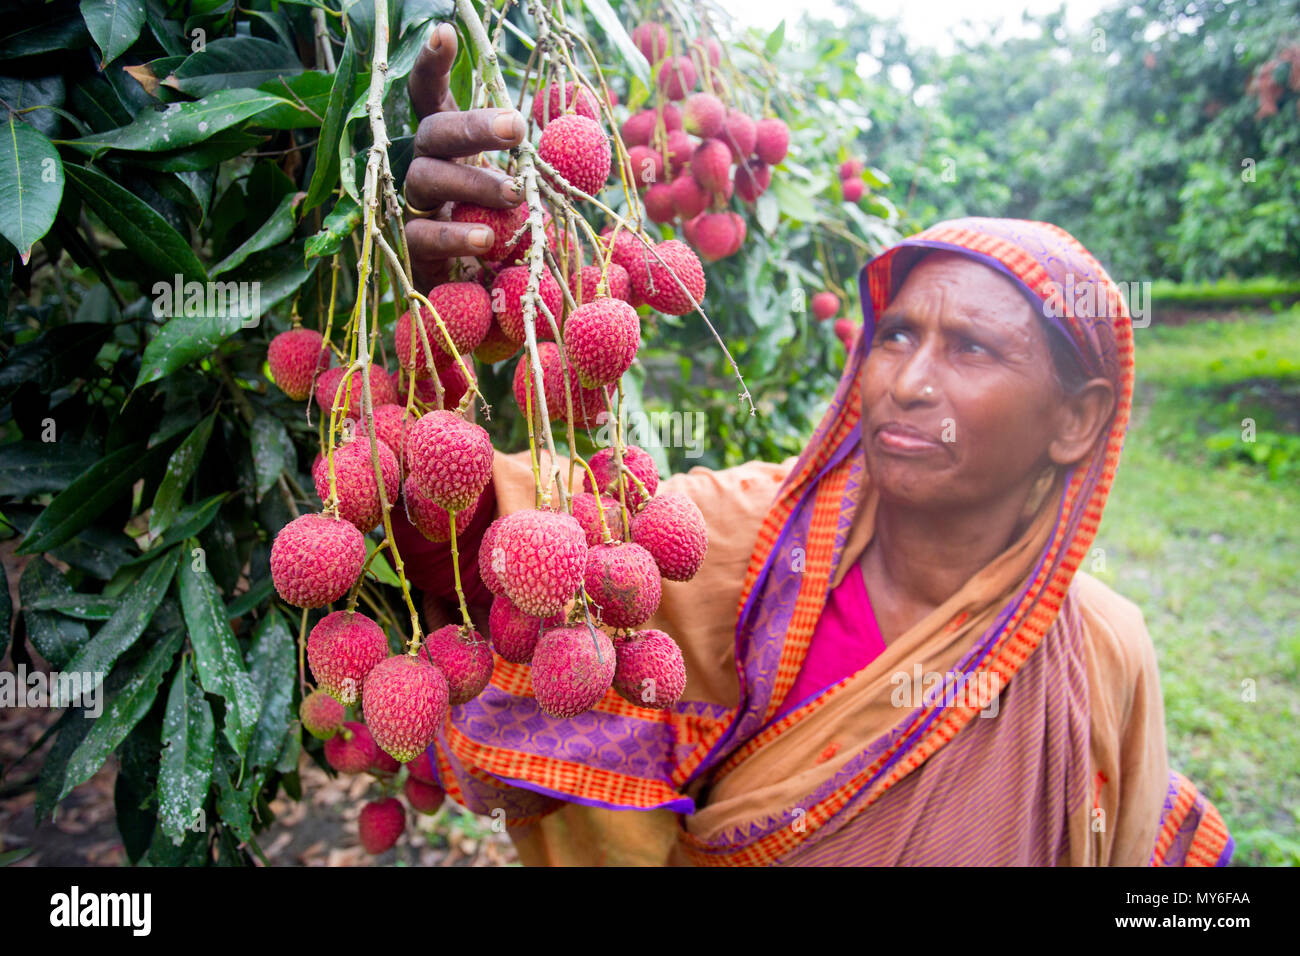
point(436, 177)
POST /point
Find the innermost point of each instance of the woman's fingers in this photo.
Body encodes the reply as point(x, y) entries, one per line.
point(449, 135)
point(438, 239)
point(432, 181)
point(430, 80)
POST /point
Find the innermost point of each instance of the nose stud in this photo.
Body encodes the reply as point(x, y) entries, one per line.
point(928, 391)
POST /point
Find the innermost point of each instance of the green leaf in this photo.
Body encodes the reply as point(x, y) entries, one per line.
point(180, 469)
point(72, 727)
point(216, 654)
point(23, 93)
point(277, 228)
point(251, 598)
point(122, 713)
point(31, 186)
point(87, 498)
point(84, 607)
point(133, 614)
point(6, 612)
point(47, 35)
point(775, 40)
point(182, 124)
point(182, 340)
point(379, 568)
point(311, 87)
point(326, 173)
point(768, 211)
point(189, 748)
point(59, 355)
point(114, 24)
point(338, 225)
point(272, 450)
point(233, 804)
point(231, 63)
point(54, 636)
point(273, 670)
point(609, 21)
point(136, 787)
point(30, 467)
point(206, 155)
point(189, 522)
point(147, 234)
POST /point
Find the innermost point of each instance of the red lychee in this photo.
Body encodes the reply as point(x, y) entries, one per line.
point(423, 797)
point(622, 580)
point(392, 422)
point(587, 515)
point(588, 403)
point(572, 668)
point(383, 390)
point(713, 48)
point(465, 659)
point(753, 176)
point(647, 166)
point(341, 650)
point(653, 281)
point(508, 297)
point(504, 223)
point(601, 339)
point(321, 714)
point(354, 480)
point(650, 670)
point(825, 304)
point(677, 77)
point(384, 764)
point(490, 575)
point(576, 100)
point(578, 149)
point(772, 140)
point(672, 529)
point(420, 769)
point(711, 165)
point(352, 749)
point(449, 458)
point(432, 520)
point(679, 149)
point(740, 134)
point(638, 129)
point(405, 702)
point(465, 310)
point(584, 282)
point(496, 345)
point(851, 169)
point(715, 235)
point(540, 556)
point(659, 203)
point(295, 358)
point(853, 190)
point(380, 824)
point(847, 331)
point(689, 200)
point(315, 558)
point(703, 115)
point(672, 117)
point(604, 466)
point(514, 633)
point(652, 40)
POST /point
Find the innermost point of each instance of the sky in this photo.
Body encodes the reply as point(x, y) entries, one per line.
point(926, 22)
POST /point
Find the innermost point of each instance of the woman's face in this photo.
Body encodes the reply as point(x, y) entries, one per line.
point(960, 404)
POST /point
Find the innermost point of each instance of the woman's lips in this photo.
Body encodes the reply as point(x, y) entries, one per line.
point(905, 440)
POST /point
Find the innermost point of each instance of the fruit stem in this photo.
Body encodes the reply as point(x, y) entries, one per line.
point(455, 571)
point(600, 508)
point(302, 654)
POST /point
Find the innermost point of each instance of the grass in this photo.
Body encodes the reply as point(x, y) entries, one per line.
point(1223, 291)
point(1208, 546)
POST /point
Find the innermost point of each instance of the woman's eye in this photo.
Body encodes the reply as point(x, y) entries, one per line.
point(973, 347)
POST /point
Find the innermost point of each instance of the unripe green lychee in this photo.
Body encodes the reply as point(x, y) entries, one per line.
point(321, 714)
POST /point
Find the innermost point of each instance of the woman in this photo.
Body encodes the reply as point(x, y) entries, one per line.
point(892, 656)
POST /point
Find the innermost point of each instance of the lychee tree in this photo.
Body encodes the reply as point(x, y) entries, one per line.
point(223, 385)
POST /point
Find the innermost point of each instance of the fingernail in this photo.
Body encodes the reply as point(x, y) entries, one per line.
point(435, 38)
point(480, 236)
point(510, 191)
point(508, 125)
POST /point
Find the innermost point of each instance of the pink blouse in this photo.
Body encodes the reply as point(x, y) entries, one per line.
point(845, 640)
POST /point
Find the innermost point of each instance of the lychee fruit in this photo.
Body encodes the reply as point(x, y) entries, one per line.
point(771, 140)
point(638, 129)
point(578, 149)
point(449, 458)
point(738, 227)
point(672, 529)
point(650, 671)
point(653, 280)
point(584, 282)
point(341, 650)
point(296, 357)
point(352, 749)
point(354, 480)
point(715, 236)
point(825, 304)
point(622, 580)
point(588, 403)
point(604, 466)
point(853, 190)
point(711, 165)
point(490, 575)
point(321, 714)
point(677, 77)
point(383, 390)
point(672, 117)
point(405, 702)
point(740, 134)
point(753, 176)
point(380, 824)
point(464, 658)
point(847, 331)
point(496, 345)
point(587, 515)
point(703, 115)
point(514, 633)
point(422, 770)
point(432, 520)
point(647, 166)
point(504, 223)
point(678, 150)
point(601, 339)
point(576, 100)
point(572, 668)
point(851, 169)
point(423, 797)
point(508, 302)
point(315, 558)
point(540, 556)
point(392, 422)
point(652, 40)
point(659, 203)
point(384, 764)
point(465, 310)
point(689, 200)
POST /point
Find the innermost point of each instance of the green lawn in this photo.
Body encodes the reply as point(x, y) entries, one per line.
point(1207, 543)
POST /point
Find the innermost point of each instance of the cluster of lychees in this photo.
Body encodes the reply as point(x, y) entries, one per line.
point(708, 150)
point(851, 184)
